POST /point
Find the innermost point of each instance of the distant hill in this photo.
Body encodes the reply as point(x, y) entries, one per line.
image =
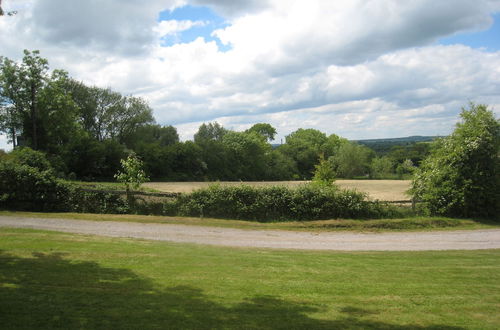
point(399, 141)
point(383, 146)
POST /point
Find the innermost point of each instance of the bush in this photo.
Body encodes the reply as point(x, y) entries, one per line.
point(308, 202)
point(27, 188)
point(23, 187)
point(461, 176)
point(95, 202)
point(32, 158)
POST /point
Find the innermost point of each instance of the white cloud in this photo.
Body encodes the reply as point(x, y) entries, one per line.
point(173, 27)
point(347, 67)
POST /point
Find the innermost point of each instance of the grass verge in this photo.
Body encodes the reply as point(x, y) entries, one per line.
point(55, 280)
point(406, 224)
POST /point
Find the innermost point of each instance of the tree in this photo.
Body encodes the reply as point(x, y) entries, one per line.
point(263, 129)
point(248, 153)
point(304, 146)
point(381, 167)
point(211, 131)
point(152, 134)
point(20, 89)
point(106, 114)
point(352, 160)
point(461, 176)
point(11, 101)
point(33, 78)
point(57, 123)
point(324, 173)
point(133, 174)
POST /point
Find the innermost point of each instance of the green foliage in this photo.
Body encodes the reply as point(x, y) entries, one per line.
point(78, 200)
point(304, 146)
point(210, 132)
point(248, 154)
point(406, 167)
point(132, 174)
point(32, 158)
point(29, 186)
point(23, 187)
point(309, 202)
point(461, 177)
point(263, 129)
point(352, 159)
point(324, 173)
point(152, 134)
point(381, 167)
point(279, 166)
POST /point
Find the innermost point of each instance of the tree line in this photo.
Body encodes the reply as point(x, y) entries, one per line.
point(86, 130)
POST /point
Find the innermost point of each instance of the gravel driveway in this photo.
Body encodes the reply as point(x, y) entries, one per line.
point(339, 241)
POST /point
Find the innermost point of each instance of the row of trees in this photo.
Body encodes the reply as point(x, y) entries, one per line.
point(83, 129)
point(86, 130)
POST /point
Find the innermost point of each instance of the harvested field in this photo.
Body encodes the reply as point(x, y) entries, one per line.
point(385, 190)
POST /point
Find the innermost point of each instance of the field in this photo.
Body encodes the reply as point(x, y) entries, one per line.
point(384, 190)
point(53, 280)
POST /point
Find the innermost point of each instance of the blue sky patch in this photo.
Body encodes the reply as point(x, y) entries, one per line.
point(488, 39)
point(211, 20)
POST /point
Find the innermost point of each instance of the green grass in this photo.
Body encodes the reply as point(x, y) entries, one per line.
point(406, 224)
point(53, 280)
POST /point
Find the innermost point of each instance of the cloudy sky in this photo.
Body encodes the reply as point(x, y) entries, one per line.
point(356, 68)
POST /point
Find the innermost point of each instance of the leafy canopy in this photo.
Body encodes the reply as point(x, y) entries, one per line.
point(461, 176)
point(133, 174)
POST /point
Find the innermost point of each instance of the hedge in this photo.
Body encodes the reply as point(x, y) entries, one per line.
point(308, 202)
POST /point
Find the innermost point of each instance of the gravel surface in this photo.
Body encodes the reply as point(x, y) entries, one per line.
point(339, 241)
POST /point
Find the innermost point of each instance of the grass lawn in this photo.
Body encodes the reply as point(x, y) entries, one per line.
point(405, 224)
point(53, 280)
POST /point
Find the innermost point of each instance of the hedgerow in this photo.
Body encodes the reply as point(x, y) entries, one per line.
point(24, 187)
point(308, 202)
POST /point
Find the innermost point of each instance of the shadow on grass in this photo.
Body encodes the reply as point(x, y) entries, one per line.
point(50, 291)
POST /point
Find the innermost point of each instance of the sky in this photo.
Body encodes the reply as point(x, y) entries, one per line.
point(358, 68)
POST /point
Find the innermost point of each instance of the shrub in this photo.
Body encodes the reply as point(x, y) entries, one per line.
point(27, 188)
point(82, 201)
point(32, 158)
point(461, 176)
point(308, 202)
point(23, 187)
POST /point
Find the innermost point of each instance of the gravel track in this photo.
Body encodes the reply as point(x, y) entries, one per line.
point(280, 239)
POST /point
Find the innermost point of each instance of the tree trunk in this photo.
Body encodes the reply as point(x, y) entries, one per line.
point(13, 133)
point(34, 117)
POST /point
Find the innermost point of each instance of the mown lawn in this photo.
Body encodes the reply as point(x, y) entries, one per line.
point(55, 280)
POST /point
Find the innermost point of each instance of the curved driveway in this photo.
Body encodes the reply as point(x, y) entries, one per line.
point(338, 241)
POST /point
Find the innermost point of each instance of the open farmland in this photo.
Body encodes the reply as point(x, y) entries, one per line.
point(385, 190)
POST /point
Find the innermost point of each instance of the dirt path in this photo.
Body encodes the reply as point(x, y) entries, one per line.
point(339, 241)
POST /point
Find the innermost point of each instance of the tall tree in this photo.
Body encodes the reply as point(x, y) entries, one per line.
point(33, 78)
point(211, 131)
point(106, 114)
point(248, 153)
point(263, 129)
point(57, 110)
point(305, 147)
point(21, 87)
point(11, 101)
point(461, 177)
point(352, 159)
